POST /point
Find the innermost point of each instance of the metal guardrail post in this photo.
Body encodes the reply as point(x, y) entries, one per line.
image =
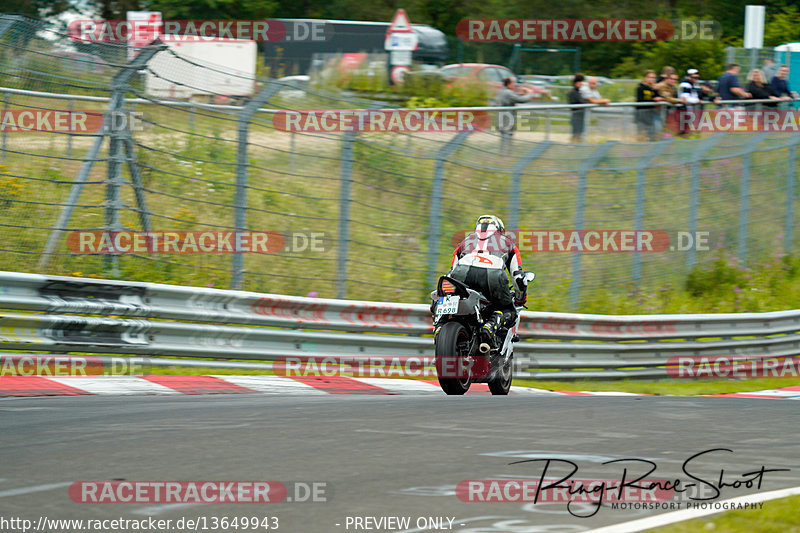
point(343, 239)
point(788, 224)
point(516, 181)
point(638, 216)
point(240, 214)
point(435, 216)
point(744, 195)
point(694, 190)
point(580, 205)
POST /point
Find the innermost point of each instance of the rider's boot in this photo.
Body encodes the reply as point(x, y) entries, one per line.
point(508, 320)
point(490, 327)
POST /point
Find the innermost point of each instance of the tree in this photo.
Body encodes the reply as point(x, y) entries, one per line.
point(782, 27)
point(36, 9)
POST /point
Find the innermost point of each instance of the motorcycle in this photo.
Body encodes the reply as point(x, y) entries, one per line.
point(461, 357)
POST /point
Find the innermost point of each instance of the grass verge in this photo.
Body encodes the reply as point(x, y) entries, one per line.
point(777, 516)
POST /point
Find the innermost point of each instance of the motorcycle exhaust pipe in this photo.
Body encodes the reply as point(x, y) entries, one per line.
point(484, 348)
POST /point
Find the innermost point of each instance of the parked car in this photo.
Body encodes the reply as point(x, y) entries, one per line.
point(492, 75)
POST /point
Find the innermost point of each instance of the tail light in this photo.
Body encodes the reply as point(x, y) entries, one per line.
point(448, 288)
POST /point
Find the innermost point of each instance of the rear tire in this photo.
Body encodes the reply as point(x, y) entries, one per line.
point(453, 340)
point(501, 385)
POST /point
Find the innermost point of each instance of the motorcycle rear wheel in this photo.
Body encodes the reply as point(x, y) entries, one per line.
point(453, 340)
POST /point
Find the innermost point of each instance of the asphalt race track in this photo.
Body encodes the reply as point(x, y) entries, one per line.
point(379, 456)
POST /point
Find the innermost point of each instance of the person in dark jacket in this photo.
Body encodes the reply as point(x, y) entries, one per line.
point(645, 115)
point(759, 90)
point(728, 84)
point(780, 84)
point(578, 115)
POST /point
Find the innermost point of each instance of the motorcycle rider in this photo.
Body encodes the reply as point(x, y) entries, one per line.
point(480, 261)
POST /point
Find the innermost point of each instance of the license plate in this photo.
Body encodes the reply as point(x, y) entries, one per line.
point(447, 305)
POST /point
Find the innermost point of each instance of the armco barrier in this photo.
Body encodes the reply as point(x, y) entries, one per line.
point(64, 314)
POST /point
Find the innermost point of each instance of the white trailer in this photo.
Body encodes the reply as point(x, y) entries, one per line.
point(221, 67)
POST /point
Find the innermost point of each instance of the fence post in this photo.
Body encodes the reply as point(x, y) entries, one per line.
point(113, 181)
point(788, 224)
point(72, 200)
point(753, 59)
point(694, 190)
point(580, 205)
point(343, 239)
point(587, 118)
point(291, 152)
point(516, 181)
point(435, 216)
point(5, 110)
point(117, 139)
point(71, 108)
point(638, 216)
point(240, 209)
point(547, 125)
point(729, 52)
point(744, 195)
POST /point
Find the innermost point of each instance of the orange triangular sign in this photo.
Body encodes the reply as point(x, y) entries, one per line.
point(400, 22)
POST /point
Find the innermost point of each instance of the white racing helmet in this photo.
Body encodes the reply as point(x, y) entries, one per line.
point(488, 225)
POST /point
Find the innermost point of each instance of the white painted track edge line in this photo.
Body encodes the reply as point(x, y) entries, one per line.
point(672, 517)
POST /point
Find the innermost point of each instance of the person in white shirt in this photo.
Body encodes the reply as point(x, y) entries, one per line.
point(591, 94)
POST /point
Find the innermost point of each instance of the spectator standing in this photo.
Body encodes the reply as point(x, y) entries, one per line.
point(666, 72)
point(769, 70)
point(759, 90)
point(729, 87)
point(668, 90)
point(704, 92)
point(780, 84)
point(578, 115)
point(591, 94)
point(688, 91)
point(507, 96)
point(645, 115)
